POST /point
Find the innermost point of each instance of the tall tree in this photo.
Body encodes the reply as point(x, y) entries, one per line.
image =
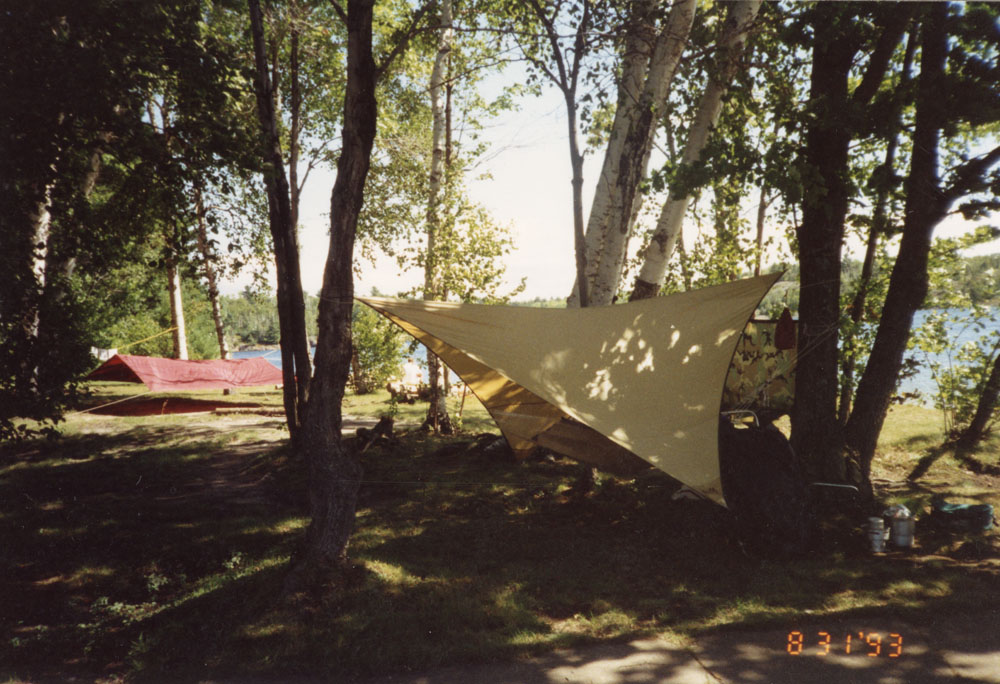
point(732, 37)
point(883, 181)
point(334, 470)
point(957, 87)
point(648, 65)
point(836, 113)
point(563, 62)
point(437, 411)
point(208, 265)
point(296, 366)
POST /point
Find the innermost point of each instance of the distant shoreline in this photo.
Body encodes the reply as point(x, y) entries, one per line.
point(258, 347)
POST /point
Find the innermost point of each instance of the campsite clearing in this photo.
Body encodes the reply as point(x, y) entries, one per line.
point(153, 547)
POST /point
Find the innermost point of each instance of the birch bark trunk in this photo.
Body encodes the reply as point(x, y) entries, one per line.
point(207, 257)
point(40, 226)
point(437, 411)
point(177, 309)
point(648, 69)
point(739, 18)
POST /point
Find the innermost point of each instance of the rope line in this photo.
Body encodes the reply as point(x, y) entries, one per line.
point(146, 339)
point(453, 484)
point(110, 403)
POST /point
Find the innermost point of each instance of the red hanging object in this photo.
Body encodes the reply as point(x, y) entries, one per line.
point(784, 333)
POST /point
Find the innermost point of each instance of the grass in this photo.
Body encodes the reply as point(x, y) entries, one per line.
point(147, 548)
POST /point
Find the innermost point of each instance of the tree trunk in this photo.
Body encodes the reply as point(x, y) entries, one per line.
point(648, 68)
point(815, 434)
point(358, 375)
point(925, 207)
point(879, 227)
point(39, 226)
point(987, 405)
point(739, 18)
point(334, 471)
point(759, 239)
point(291, 304)
point(437, 410)
point(207, 258)
point(176, 309)
point(296, 114)
point(579, 240)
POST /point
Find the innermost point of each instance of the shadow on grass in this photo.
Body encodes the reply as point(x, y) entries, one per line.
point(157, 553)
point(102, 533)
point(969, 457)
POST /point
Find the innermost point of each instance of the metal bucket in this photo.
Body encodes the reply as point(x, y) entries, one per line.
point(902, 532)
point(876, 534)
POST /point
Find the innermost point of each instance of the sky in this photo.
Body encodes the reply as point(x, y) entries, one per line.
point(529, 191)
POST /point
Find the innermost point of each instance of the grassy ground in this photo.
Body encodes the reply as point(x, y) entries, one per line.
point(153, 548)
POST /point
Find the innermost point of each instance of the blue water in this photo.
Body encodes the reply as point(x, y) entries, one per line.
point(923, 381)
point(272, 355)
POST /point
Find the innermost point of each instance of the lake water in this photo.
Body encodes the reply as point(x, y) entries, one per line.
point(921, 382)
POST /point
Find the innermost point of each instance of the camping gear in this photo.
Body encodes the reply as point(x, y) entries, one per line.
point(901, 531)
point(962, 517)
point(175, 375)
point(764, 488)
point(615, 386)
point(900, 524)
point(876, 534)
point(761, 376)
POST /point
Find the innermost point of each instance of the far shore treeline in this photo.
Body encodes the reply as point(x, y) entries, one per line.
point(251, 319)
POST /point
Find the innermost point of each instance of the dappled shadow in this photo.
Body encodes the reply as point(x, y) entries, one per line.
point(102, 531)
point(160, 406)
point(965, 455)
point(926, 461)
point(968, 458)
point(926, 654)
point(584, 560)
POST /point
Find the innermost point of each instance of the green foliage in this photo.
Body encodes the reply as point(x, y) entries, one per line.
point(252, 317)
point(379, 345)
point(959, 372)
point(86, 88)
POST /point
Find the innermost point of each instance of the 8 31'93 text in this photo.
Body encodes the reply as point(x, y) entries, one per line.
point(871, 644)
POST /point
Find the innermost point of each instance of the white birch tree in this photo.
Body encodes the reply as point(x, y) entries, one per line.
point(437, 412)
point(732, 37)
point(649, 63)
point(179, 331)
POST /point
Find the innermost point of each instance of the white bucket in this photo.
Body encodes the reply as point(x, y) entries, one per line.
point(876, 534)
point(902, 532)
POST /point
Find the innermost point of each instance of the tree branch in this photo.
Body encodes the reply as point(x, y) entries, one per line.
point(339, 10)
point(892, 30)
point(968, 175)
point(404, 43)
point(557, 55)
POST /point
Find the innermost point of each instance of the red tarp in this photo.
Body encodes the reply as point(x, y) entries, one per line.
point(172, 375)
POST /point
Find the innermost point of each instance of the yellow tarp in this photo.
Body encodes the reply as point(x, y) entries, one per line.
point(647, 375)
